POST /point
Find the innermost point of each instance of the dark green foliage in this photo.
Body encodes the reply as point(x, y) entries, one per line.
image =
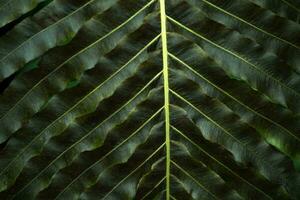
point(82, 110)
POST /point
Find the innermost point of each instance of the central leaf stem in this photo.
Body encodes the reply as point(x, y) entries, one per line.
point(166, 92)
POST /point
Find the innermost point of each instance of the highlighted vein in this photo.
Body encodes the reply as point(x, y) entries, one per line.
point(166, 92)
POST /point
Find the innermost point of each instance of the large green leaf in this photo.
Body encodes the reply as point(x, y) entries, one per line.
point(150, 99)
